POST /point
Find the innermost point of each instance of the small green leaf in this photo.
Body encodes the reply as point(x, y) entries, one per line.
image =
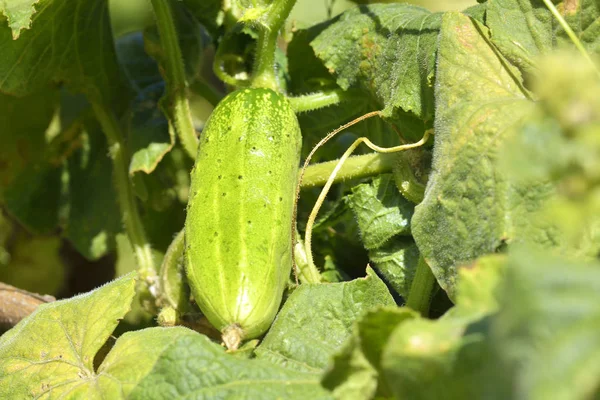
point(397, 262)
point(381, 211)
point(51, 352)
point(19, 14)
point(316, 319)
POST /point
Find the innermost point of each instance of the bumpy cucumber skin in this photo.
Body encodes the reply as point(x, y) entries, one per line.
point(238, 225)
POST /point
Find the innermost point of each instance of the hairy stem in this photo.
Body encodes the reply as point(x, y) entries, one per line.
point(355, 167)
point(127, 201)
point(269, 26)
point(419, 296)
point(175, 77)
point(317, 100)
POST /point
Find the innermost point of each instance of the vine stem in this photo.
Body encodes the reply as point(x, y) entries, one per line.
point(419, 296)
point(269, 25)
point(571, 34)
point(175, 77)
point(127, 201)
point(355, 167)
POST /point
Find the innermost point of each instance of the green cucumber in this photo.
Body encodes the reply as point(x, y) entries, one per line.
point(238, 226)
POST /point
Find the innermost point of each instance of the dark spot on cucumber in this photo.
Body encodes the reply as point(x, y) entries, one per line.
point(216, 234)
point(240, 177)
point(281, 199)
point(220, 177)
point(224, 194)
point(249, 222)
point(218, 160)
point(270, 172)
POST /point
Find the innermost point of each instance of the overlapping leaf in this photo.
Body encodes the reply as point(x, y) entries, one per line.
point(387, 49)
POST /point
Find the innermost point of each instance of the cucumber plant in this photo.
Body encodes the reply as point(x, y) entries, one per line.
point(455, 258)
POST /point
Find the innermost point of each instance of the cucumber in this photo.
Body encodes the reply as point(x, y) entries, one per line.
point(238, 224)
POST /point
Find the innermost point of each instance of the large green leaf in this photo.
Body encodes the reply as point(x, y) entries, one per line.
point(51, 352)
point(316, 319)
point(67, 41)
point(387, 49)
point(470, 206)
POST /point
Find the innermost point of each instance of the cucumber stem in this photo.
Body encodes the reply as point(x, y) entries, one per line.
point(129, 210)
point(269, 25)
point(419, 296)
point(232, 336)
point(174, 70)
point(355, 167)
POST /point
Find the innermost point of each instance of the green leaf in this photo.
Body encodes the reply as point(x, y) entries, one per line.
point(470, 206)
point(397, 262)
point(94, 218)
point(52, 351)
point(71, 44)
point(355, 370)
point(387, 49)
point(548, 331)
point(316, 319)
point(381, 211)
point(191, 366)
